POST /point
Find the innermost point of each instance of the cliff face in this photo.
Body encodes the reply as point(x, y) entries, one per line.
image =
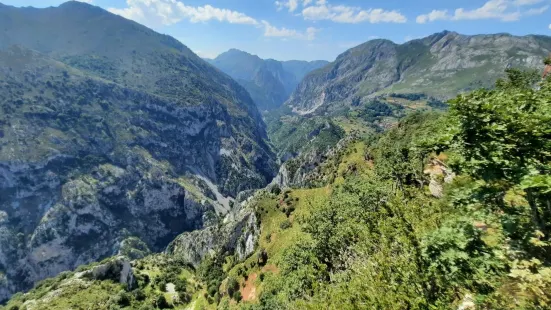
point(108, 131)
point(440, 66)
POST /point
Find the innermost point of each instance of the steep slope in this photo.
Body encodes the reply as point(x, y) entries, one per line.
point(440, 65)
point(270, 82)
point(109, 130)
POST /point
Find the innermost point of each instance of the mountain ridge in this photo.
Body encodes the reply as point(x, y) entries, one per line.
point(440, 65)
point(269, 81)
point(111, 132)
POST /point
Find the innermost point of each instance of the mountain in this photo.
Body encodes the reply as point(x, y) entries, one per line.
point(440, 66)
point(111, 132)
point(441, 211)
point(270, 82)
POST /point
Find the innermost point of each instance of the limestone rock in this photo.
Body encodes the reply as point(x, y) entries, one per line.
point(117, 269)
point(238, 234)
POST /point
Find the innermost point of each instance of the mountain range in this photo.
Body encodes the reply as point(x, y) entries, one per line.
point(270, 82)
point(441, 66)
point(120, 144)
point(109, 130)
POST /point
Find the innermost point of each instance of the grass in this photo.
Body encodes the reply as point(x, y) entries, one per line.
point(274, 239)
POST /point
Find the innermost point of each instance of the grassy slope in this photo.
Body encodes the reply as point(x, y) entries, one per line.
point(275, 239)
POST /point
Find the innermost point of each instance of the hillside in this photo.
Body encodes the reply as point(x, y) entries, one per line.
point(439, 66)
point(270, 82)
point(446, 210)
point(110, 131)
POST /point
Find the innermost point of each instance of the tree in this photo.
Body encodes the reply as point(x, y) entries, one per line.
point(161, 302)
point(505, 137)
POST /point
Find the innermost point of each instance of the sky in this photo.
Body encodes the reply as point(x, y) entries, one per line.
point(319, 29)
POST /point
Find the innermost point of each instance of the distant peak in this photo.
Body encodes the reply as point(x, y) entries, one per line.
point(75, 3)
point(237, 51)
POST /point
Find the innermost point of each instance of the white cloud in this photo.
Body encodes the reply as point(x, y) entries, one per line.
point(504, 10)
point(168, 12)
point(432, 16)
point(85, 1)
point(291, 5)
point(537, 11)
point(493, 9)
point(311, 33)
point(527, 2)
point(203, 54)
point(322, 10)
point(285, 33)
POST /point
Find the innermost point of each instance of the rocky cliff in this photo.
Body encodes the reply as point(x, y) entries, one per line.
point(110, 131)
point(440, 66)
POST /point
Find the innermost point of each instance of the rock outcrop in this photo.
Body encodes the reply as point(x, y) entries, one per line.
point(117, 269)
point(238, 234)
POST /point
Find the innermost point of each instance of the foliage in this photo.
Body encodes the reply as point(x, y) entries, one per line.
point(378, 237)
point(382, 242)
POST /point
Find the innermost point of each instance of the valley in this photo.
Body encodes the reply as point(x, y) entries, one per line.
point(135, 174)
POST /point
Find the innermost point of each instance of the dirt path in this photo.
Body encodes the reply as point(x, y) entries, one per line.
point(249, 291)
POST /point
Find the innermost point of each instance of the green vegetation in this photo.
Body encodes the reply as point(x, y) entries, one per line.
point(161, 282)
point(446, 209)
point(384, 240)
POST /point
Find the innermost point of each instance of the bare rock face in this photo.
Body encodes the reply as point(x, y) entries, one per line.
point(238, 234)
point(87, 219)
point(117, 269)
point(439, 174)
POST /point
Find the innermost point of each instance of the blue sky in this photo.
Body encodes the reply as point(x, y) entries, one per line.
point(319, 29)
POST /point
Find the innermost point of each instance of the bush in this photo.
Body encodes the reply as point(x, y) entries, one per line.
point(237, 296)
point(124, 299)
point(262, 257)
point(276, 190)
point(161, 302)
point(232, 286)
point(285, 225)
point(184, 297)
point(139, 295)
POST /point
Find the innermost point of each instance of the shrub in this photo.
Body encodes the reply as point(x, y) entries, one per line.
point(123, 299)
point(139, 295)
point(276, 190)
point(161, 302)
point(285, 225)
point(237, 296)
point(232, 286)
